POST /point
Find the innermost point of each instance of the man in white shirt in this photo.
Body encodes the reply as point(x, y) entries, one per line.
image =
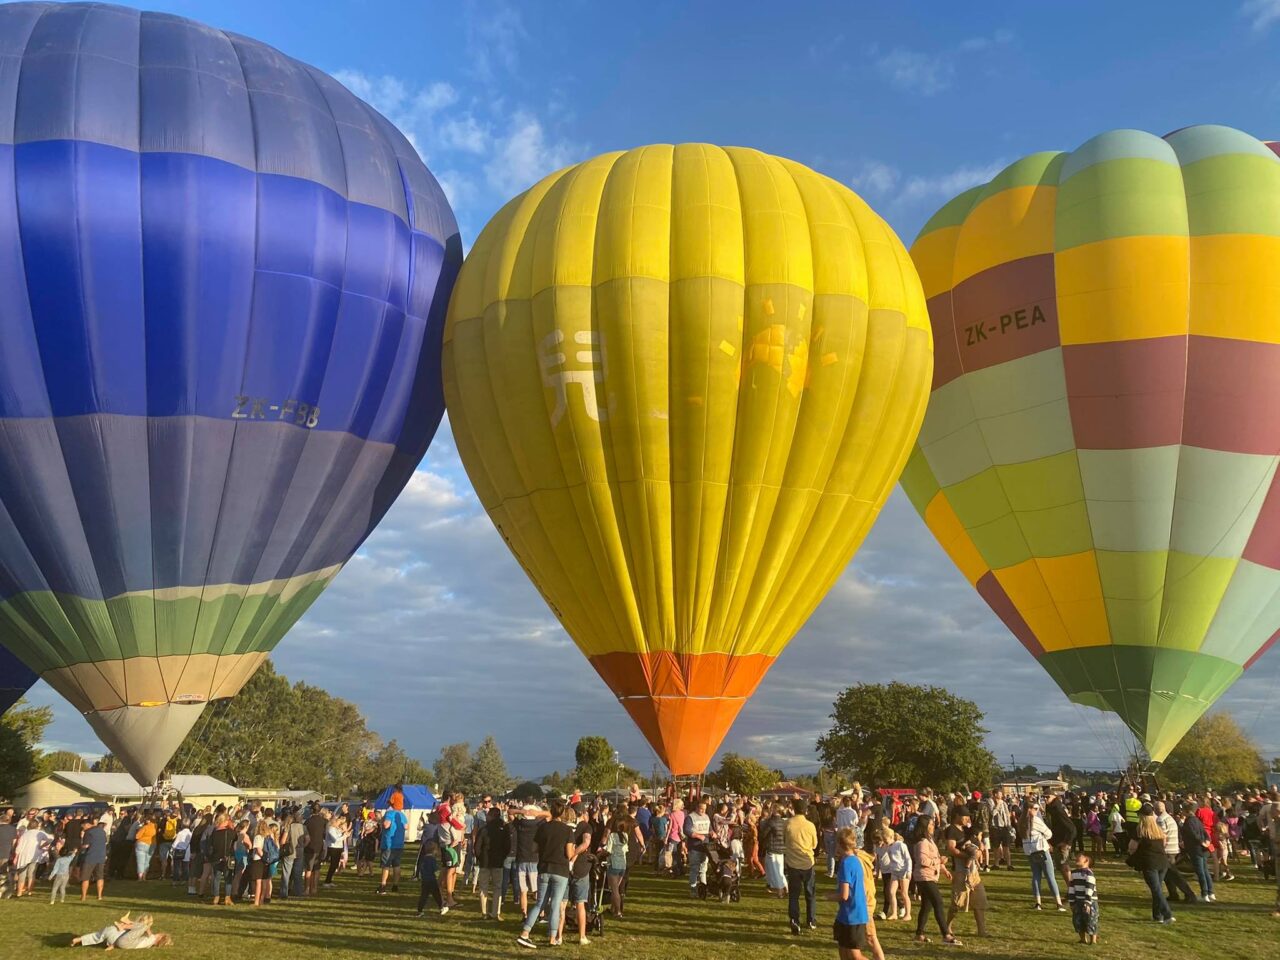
point(26, 856)
point(1173, 880)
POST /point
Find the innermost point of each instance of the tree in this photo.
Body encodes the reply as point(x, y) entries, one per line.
point(597, 764)
point(28, 722)
point(17, 762)
point(1214, 754)
point(453, 768)
point(898, 734)
point(388, 766)
point(60, 760)
point(527, 791)
point(745, 776)
point(21, 729)
point(107, 763)
point(489, 770)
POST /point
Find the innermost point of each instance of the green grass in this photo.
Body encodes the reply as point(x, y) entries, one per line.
point(662, 923)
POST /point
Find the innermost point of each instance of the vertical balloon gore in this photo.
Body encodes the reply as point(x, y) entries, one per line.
point(683, 380)
point(1099, 454)
point(223, 281)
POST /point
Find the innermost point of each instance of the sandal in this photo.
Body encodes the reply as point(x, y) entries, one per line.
point(952, 942)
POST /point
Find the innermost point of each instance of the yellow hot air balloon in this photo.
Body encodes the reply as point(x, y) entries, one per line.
point(683, 381)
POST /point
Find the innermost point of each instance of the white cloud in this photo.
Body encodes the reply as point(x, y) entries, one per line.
point(875, 178)
point(944, 186)
point(481, 151)
point(525, 155)
point(930, 73)
point(464, 133)
point(916, 72)
point(494, 32)
point(974, 44)
point(1261, 13)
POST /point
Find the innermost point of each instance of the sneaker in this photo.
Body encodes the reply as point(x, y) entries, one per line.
point(444, 910)
point(1036, 906)
point(330, 884)
point(1061, 908)
point(812, 925)
point(584, 942)
point(880, 915)
point(526, 943)
point(420, 913)
point(382, 891)
point(795, 928)
point(902, 913)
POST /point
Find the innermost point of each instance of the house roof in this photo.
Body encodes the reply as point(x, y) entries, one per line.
point(123, 785)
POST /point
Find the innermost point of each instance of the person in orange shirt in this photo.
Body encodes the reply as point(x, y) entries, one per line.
point(144, 845)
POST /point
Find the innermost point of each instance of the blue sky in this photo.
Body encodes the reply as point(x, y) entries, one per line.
point(909, 103)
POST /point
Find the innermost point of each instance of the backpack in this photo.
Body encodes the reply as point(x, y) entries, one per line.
point(270, 850)
point(617, 849)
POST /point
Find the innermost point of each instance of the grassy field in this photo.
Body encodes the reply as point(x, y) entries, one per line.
point(662, 923)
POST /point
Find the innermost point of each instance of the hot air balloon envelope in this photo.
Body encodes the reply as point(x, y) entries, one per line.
point(222, 284)
point(683, 381)
point(1099, 454)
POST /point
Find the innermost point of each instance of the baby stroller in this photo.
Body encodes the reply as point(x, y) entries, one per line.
point(596, 896)
point(729, 874)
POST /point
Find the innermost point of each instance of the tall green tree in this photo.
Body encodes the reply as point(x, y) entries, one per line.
point(17, 762)
point(597, 767)
point(48, 763)
point(21, 730)
point(898, 734)
point(743, 775)
point(1214, 754)
point(489, 770)
point(29, 722)
point(453, 767)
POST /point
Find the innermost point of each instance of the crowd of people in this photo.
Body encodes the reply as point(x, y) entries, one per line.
point(566, 862)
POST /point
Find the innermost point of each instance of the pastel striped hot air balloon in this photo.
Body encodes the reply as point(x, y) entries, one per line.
point(16, 678)
point(222, 285)
point(683, 381)
point(1100, 450)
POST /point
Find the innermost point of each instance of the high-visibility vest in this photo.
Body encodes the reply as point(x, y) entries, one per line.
point(1131, 808)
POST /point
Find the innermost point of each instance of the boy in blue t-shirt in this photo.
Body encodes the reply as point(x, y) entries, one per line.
point(394, 823)
point(850, 927)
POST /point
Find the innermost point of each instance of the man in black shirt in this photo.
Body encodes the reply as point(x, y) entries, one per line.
point(317, 844)
point(580, 869)
point(967, 891)
point(554, 841)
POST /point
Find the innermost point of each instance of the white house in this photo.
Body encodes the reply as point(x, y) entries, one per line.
point(65, 787)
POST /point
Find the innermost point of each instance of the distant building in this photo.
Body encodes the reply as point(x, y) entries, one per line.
point(65, 787)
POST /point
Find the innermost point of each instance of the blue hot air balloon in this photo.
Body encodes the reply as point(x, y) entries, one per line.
point(223, 279)
point(16, 679)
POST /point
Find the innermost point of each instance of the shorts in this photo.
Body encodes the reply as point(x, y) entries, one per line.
point(850, 936)
point(615, 872)
point(391, 858)
point(527, 878)
point(1084, 917)
point(314, 859)
point(579, 889)
point(965, 898)
point(92, 873)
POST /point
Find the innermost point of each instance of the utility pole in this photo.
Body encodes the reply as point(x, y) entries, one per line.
point(1017, 781)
